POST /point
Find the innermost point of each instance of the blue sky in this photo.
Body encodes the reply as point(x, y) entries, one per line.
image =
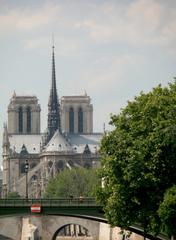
point(111, 49)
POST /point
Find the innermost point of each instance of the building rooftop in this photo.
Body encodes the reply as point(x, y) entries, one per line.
point(31, 142)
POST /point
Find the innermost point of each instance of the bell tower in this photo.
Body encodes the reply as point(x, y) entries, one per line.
point(77, 114)
point(23, 115)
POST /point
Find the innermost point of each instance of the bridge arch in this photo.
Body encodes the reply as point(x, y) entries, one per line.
point(52, 224)
point(71, 230)
point(5, 237)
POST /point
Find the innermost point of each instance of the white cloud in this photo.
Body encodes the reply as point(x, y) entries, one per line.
point(27, 18)
point(108, 72)
point(65, 47)
point(144, 22)
point(145, 13)
point(140, 22)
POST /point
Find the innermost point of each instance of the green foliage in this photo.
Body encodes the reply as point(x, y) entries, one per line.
point(138, 159)
point(75, 182)
point(15, 195)
point(167, 211)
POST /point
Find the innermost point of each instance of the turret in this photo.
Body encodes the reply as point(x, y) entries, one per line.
point(6, 143)
point(6, 162)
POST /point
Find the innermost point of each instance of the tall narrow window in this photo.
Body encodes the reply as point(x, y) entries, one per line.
point(80, 120)
point(20, 120)
point(71, 120)
point(28, 120)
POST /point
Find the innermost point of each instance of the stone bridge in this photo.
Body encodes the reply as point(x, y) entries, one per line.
point(17, 217)
point(48, 226)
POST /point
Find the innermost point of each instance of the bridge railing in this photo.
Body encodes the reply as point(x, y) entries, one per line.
point(49, 202)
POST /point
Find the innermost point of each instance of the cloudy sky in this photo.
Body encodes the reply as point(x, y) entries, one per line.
point(112, 49)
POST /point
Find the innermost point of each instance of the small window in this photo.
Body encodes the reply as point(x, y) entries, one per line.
point(28, 120)
point(20, 119)
point(80, 120)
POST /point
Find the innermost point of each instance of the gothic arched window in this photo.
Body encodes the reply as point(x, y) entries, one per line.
point(28, 120)
point(20, 119)
point(80, 120)
point(71, 120)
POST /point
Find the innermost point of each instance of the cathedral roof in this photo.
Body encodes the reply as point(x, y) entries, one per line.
point(58, 143)
point(73, 142)
point(80, 141)
point(31, 142)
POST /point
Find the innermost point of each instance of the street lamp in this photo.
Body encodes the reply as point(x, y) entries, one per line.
point(26, 171)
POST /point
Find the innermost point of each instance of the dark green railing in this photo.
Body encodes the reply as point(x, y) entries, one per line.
point(48, 202)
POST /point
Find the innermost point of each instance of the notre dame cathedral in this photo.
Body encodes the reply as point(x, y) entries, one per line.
point(68, 142)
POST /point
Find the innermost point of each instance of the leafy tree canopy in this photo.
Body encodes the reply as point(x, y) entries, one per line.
point(75, 182)
point(13, 195)
point(167, 211)
point(138, 159)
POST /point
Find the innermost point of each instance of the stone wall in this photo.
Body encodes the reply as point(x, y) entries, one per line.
point(11, 227)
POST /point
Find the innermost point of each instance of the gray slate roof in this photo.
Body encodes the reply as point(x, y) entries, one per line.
point(31, 142)
point(58, 143)
point(73, 142)
point(79, 141)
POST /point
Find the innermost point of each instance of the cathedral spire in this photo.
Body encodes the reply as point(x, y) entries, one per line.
point(53, 104)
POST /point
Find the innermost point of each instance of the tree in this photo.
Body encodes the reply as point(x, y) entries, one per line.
point(75, 182)
point(14, 195)
point(138, 159)
point(167, 211)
